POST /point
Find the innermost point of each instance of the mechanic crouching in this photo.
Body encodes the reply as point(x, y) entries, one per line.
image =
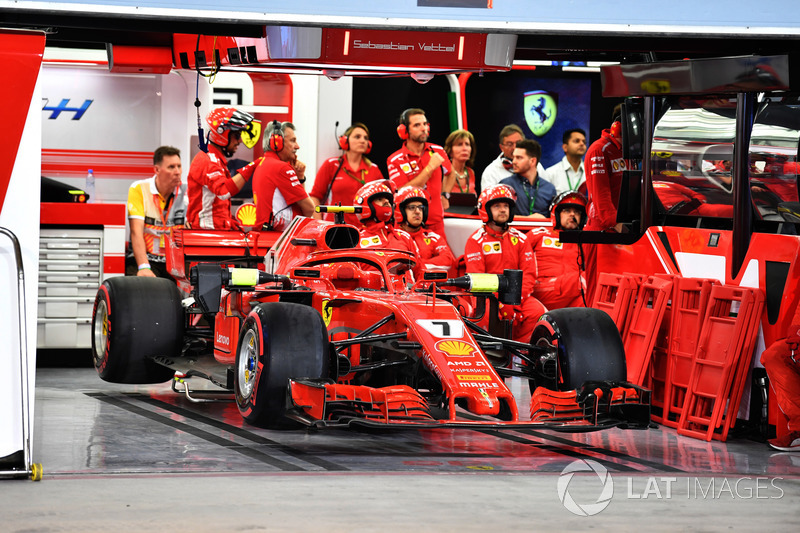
point(412, 214)
point(554, 276)
point(377, 219)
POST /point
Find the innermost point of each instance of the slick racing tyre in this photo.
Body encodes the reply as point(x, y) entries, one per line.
point(587, 347)
point(133, 320)
point(278, 341)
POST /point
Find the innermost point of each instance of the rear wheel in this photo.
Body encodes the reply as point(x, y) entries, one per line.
point(586, 347)
point(278, 341)
point(133, 320)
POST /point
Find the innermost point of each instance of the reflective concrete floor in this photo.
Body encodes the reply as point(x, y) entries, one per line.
point(136, 458)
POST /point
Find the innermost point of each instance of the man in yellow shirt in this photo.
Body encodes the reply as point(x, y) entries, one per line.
point(155, 206)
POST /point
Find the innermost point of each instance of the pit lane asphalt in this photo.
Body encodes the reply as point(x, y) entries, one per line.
point(143, 458)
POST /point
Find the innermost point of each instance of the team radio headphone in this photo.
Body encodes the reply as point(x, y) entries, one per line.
point(344, 139)
point(402, 129)
point(276, 137)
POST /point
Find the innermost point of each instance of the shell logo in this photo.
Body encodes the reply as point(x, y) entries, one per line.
point(246, 214)
point(456, 348)
point(487, 247)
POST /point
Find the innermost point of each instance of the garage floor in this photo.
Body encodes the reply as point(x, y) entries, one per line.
point(136, 458)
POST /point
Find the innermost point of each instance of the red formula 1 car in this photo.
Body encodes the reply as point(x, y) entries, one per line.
point(332, 335)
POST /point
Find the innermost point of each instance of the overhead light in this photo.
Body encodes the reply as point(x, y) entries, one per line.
point(422, 77)
point(333, 75)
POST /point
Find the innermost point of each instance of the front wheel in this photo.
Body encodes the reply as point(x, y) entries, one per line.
point(585, 344)
point(278, 341)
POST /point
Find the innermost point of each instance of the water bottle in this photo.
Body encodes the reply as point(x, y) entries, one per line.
point(89, 187)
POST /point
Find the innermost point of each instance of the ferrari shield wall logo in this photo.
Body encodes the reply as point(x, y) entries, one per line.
point(540, 108)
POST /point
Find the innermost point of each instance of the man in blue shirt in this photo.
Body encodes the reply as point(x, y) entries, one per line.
point(534, 194)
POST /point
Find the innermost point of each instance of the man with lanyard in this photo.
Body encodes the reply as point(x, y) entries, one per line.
point(210, 183)
point(496, 246)
point(422, 164)
point(568, 174)
point(155, 206)
point(278, 182)
point(534, 193)
point(500, 168)
point(411, 214)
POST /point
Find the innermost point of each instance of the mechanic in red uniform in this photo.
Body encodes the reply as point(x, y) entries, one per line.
point(278, 190)
point(604, 165)
point(411, 214)
point(496, 247)
point(377, 219)
point(422, 164)
point(210, 184)
point(554, 275)
point(782, 363)
point(339, 178)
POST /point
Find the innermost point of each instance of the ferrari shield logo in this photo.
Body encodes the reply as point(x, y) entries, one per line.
point(540, 108)
point(427, 240)
point(514, 241)
point(327, 312)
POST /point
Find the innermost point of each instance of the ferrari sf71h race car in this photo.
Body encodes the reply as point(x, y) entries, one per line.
point(329, 335)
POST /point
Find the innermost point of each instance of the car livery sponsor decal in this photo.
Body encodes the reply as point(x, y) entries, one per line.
point(222, 339)
point(469, 377)
point(454, 348)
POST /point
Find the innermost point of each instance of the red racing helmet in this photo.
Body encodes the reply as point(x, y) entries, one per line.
point(224, 120)
point(370, 192)
point(571, 199)
point(404, 196)
point(498, 193)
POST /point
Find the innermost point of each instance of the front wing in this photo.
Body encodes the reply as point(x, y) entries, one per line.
point(597, 405)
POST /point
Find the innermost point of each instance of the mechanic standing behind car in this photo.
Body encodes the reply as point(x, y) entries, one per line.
point(496, 247)
point(278, 181)
point(411, 214)
point(422, 164)
point(554, 276)
point(155, 206)
point(210, 183)
point(339, 178)
point(604, 167)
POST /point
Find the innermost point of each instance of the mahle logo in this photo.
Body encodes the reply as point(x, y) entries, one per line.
point(602, 485)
